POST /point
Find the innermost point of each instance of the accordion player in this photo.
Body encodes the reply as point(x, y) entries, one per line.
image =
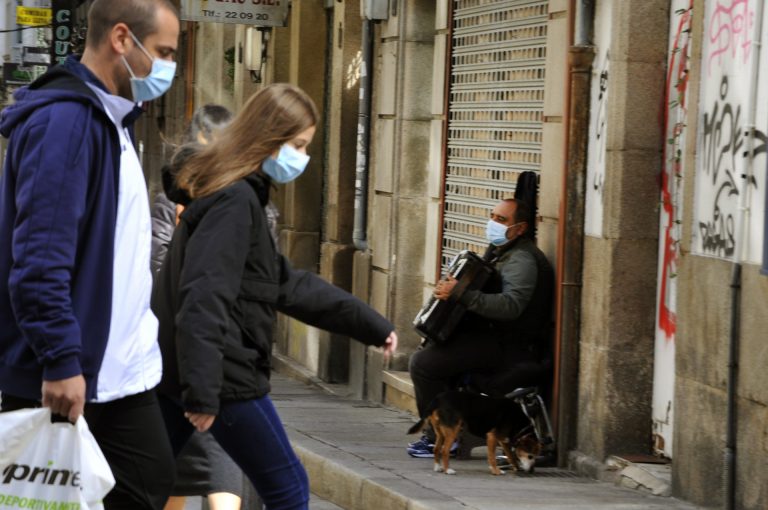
point(437, 319)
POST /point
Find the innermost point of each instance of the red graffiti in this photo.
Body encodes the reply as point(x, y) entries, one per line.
point(677, 82)
point(729, 29)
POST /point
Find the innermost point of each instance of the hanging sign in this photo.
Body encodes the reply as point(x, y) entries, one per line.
point(63, 11)
point(33, 16)
point(264, 13)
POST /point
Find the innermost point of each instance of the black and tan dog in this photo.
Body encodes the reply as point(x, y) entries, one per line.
point(499, 420)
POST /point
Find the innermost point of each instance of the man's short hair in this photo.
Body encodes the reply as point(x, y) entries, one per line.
point(139, 15)
point(522, 211)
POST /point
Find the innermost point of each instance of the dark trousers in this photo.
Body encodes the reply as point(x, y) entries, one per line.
point(131, 434)
point(251, 432)
point(438, 366)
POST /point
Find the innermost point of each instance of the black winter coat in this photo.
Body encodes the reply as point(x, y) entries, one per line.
point(217, 294)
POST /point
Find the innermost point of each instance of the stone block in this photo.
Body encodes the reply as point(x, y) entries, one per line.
point(390, 27)
point(699, 438)
point(546, 239)
point(419, 19)
point(558, 6)
point(593, 367)
point(380, 291)
point(379, 229)
point(703, 320)
point(301, 248)
point(361, 275)
point(387, 78)
point(336, 264)
point(632, 194)
point(374, 371)
point(441, 14)
point(641, 31)
point(635, 99)
point(385, 153)
point(410, 233)
point(594, 295)
point(753, 381)
point(432, 242)
point(752, 448)
point(378, 496)
point(552, 165)
point(339, 484)
point(414, 158)
point(417, 80)
point(302, 343)
point(436, 160)
point(631, 290)
point(438, 77)
point(556, 68)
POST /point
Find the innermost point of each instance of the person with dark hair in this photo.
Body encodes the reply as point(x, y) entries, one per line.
point(222, 284)
point(506, 322)
point(203, 468)
point(76, 330)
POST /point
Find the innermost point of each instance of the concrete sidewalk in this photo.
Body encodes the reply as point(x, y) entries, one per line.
point(354, 452)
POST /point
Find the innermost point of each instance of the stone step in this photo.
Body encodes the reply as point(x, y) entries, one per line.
point(398, 391)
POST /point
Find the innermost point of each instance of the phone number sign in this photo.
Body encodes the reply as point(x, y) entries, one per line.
point(265, 13)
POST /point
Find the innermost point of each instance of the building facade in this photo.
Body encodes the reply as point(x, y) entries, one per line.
point(645, 122)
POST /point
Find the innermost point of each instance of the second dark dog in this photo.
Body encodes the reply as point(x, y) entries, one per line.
point(499, 420)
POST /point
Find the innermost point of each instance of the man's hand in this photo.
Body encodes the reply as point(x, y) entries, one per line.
point(65, 397)
point(201, 422)
point(444, 288)
point(390, 345)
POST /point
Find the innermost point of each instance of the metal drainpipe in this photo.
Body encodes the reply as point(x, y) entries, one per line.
point(359, 234)
point(570, 245)
point(736, 279)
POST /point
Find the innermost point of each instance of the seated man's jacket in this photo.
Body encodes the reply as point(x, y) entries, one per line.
point(515, 306)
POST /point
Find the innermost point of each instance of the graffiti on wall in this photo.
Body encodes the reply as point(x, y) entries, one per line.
point(597, 148)
point(675, 123)
point(598, 118)
point(723, 146)
point(723, 141)
point(730, 32)
point(598, 180)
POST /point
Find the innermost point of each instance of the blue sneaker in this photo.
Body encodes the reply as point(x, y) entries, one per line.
point(424, 448)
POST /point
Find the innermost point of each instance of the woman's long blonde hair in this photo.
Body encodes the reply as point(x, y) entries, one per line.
point(270, 118)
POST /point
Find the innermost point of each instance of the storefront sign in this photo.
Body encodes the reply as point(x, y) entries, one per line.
point(264, 13)
point(33, 16)
point(35, 56)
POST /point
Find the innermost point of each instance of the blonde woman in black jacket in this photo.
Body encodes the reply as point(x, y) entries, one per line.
point(223, 282)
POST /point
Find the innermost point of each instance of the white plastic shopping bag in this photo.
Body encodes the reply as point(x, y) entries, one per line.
point(46, 465)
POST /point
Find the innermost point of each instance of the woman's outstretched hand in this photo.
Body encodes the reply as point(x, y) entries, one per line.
point(390, 345)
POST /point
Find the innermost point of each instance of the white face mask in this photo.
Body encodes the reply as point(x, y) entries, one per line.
point(289, 164)
point(157, 82)
point(496, 232)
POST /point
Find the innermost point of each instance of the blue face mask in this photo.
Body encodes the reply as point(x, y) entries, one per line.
point(289, 164)
point(157, 82)
point(496, 233)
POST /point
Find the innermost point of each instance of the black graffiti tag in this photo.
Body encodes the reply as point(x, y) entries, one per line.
point(723, 144)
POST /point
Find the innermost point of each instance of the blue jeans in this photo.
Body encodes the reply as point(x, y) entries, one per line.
point(251, 433)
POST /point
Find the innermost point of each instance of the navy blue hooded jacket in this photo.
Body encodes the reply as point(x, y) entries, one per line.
point(58, 208)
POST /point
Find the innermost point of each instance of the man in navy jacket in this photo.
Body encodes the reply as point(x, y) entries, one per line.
point(76, 331)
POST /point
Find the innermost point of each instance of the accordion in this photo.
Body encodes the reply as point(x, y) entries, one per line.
point(437, 318)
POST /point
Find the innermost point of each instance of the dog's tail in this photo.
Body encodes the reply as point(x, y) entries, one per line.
point(417, 427)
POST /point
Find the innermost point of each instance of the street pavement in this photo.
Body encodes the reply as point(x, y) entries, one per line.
point(354, 453)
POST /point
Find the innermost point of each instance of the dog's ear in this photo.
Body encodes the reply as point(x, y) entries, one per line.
point(529, 442)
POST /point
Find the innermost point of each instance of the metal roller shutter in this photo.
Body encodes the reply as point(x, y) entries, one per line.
point(495, 112)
